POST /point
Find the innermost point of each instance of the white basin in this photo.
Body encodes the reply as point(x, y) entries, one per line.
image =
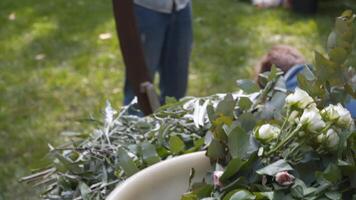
point(166, 180)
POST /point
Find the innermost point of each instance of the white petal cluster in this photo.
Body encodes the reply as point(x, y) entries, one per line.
point(267, 132)
point(332, 138)
point(300, 99)
point(311, 118)
point(339, 114)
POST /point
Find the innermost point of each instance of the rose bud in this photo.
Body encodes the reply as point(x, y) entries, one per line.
point(267, 133)
point(345, 119)
point(332, 138)
point(216, 178)
point(284, 178)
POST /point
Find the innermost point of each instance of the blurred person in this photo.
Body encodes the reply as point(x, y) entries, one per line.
point(165, 28)
point(282, 56)
point(299, 6)
point(271, 3)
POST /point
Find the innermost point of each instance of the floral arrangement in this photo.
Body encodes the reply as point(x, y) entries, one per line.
point(293, 146)
point(263, 143)
point(307, 154)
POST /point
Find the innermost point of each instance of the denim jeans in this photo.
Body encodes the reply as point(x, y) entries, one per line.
point(167, 42)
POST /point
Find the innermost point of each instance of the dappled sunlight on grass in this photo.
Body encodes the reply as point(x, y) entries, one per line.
point(55, 71)
point(232, 36)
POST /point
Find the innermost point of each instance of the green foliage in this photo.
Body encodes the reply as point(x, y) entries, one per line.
point(332, 79)
point(41, 98)
point(299, 159)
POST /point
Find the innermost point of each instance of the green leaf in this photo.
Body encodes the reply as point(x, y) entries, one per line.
point(274, 73)
point(298, 189)
point(189, 196)
point(248, 86)
point(272, 108)
point(229, 194)
point(264, 195)
point(280, 195)
point(247, 121)
point(274, 168)
point(149, 153)
point(68, 164)
point(176, 144)
point(332, 173)
point(226, 106)
point(244, 103)
point(312, 87)
point(333, 195)
point(211, 113)
point(239, 143)
point(84, 191)
point(338, 55)
point(215, 150)
point(126, 163)
point(242, 195)
point(325, 68)
point(347, 14)
point(342, 25)
point(232, 168)
point(202, 190)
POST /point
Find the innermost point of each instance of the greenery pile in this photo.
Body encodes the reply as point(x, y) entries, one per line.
point(264, 144)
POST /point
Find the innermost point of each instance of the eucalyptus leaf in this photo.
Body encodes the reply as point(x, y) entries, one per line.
point(226, 106)
point(332, 173)
point(239, 143)
point(215, 150)
point(176, 144)
point(84, 191)
point(244, 103)
point(149, 153)
point(242, 195)
point(232, 168)
point(274, 168)
point(247, 86)
point(338, 55)
point(126, 162)
point(202, 190)
point(189, 196)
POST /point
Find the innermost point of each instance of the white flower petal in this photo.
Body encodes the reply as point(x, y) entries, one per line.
point(300, 99)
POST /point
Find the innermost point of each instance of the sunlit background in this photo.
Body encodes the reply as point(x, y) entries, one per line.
point(60, 62)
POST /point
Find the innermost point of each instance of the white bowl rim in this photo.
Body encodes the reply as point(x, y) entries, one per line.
point(154, 171)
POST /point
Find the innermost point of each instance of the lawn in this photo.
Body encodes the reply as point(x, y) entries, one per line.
point(56, 73)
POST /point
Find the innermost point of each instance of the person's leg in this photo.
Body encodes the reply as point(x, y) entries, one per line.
point(152, 26)
point(176, 54)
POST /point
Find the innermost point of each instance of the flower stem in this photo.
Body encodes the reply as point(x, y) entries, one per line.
point(288, 138)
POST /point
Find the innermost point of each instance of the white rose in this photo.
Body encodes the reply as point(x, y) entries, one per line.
point(332, 138)
point(267, 132)
point(311, 118)
point(330, 113)
point(300, 99)
point(339, 114)
point(345, 118)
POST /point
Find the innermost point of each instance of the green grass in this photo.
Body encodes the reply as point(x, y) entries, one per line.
point(39, 99)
